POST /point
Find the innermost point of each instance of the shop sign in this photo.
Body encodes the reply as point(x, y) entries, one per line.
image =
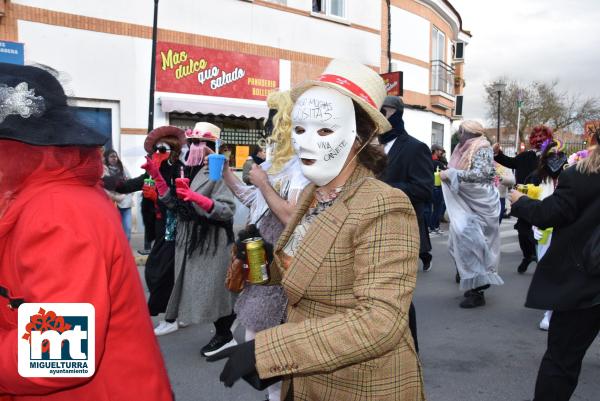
point(210, 72)
point(12, 52)
point(393, 83)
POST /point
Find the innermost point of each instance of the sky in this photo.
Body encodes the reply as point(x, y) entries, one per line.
point(529, 40)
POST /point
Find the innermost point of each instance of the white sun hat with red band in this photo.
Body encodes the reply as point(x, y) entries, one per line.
point(356, 81)
point(204, 131)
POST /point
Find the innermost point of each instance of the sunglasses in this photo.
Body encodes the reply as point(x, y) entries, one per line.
point(194, 141)
point(162, 149)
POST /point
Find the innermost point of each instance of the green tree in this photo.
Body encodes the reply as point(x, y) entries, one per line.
point(542, 103)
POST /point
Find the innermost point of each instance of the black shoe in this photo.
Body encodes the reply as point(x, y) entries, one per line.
point(426, 259)
point(218, 343)
point(468, 293)
point(473, 300)
point(144, 252)
point(524, 265)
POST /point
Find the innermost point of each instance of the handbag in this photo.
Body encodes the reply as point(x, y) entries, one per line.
point(235, 278)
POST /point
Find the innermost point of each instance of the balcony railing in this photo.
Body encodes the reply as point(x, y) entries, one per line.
point(442, 77)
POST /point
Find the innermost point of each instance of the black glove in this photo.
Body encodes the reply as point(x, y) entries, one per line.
point(241, 362)
point(251, 232)
point(259, 384)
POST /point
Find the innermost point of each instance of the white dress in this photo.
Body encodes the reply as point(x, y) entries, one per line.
point(473, 206)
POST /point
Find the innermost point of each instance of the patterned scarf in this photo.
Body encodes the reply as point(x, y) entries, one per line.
point(463, 154)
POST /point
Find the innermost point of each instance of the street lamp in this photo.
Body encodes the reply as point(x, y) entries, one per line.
point(153, 68)
point(499, 88)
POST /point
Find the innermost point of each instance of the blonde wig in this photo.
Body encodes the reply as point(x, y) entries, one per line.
point(282, 129)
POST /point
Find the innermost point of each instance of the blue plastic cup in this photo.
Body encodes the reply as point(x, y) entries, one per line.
point(215, 166)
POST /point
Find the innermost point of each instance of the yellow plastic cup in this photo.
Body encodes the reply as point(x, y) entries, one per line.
point(545, 236)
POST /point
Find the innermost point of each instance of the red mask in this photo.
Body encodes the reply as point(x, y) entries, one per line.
point(158, 157)
point(538, 136)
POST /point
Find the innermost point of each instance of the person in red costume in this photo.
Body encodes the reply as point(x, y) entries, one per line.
point(163, 145)
point(61, 241)
point(203, 242)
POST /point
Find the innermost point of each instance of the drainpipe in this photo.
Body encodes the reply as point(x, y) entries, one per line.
point(389, 41)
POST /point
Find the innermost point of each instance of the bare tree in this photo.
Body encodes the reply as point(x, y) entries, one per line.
point(542, 103)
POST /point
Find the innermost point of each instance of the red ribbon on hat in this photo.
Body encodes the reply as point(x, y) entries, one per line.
point(348, 85)
point(193, 134)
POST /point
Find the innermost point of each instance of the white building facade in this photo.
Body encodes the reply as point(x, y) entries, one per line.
point(104, 49)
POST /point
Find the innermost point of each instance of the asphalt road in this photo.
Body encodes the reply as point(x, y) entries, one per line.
point(484, 354)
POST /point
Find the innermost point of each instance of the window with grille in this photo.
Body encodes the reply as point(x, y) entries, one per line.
point(241, 137)
point(437, 134)
point(442, 74)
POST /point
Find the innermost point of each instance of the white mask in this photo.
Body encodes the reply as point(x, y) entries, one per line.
point(324, 130)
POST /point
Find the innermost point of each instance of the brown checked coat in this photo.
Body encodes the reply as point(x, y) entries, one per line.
point(349, 287)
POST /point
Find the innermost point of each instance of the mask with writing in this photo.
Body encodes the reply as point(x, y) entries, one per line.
point(324, 130)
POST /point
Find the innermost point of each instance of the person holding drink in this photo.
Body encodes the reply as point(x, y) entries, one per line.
point(204, 208)
point(567, 278)
point(348, 258)
point(276, 185)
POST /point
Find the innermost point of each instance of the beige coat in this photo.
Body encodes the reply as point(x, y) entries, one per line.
point(349, 286)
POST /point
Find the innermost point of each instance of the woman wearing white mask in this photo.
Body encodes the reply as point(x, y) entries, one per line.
point(348, 258)
point(272, 197)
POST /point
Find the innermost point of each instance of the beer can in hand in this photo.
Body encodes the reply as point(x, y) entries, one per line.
point(258, 272)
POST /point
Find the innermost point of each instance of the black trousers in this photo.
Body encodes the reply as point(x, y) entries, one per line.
point(571, 334)
point(149, 218)
point(526, 240)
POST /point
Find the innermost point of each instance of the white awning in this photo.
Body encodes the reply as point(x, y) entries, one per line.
point(214, 105)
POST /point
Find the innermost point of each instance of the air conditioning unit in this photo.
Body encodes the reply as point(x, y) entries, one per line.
point(459, 51)
point(458, 107)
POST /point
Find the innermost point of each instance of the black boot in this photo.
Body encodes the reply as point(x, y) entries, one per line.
point(223, 337)
point(524, 265)
point(426, 259)
point(475, 299)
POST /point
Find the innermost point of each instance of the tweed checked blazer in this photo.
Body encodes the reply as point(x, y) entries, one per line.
point(349, 286)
